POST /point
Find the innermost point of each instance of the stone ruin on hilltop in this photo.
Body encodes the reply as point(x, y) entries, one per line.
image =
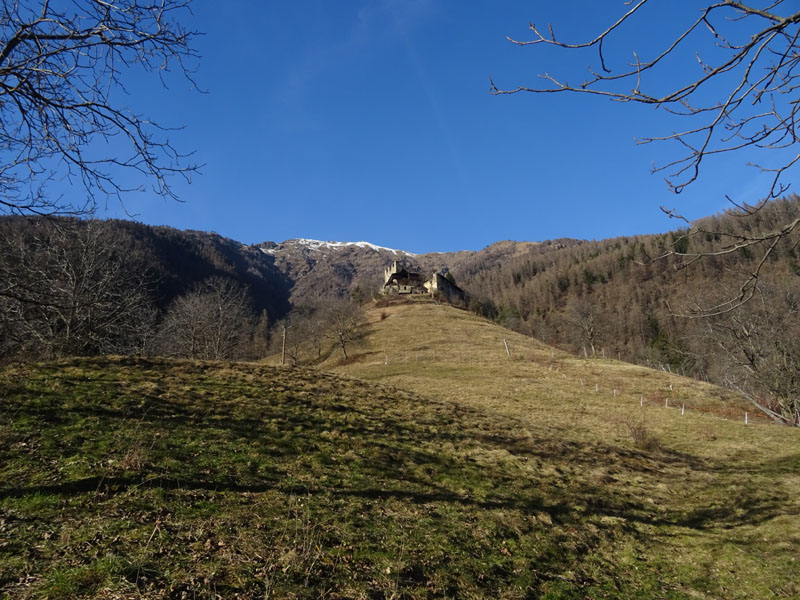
point(400, 279)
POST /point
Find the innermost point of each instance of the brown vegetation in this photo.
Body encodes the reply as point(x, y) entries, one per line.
point(610, 298)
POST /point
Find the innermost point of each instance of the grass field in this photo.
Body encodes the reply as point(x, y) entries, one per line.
point(432, 465)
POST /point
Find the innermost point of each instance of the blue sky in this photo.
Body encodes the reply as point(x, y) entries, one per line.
point(371, 120)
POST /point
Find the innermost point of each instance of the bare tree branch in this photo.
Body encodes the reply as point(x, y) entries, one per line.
point(757, 112)
point(67, 287)
point(742, 97)
point(62, 67)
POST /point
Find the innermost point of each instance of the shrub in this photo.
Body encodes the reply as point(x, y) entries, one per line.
point(643, 438)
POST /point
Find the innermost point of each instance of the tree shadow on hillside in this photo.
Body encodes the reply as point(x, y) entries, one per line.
point(114, 484)
point(404, 455)
point(387, 475)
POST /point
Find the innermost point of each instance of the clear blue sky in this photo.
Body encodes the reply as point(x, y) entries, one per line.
point(371, 120)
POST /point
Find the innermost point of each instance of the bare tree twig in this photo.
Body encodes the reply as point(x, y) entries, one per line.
point(62, 67)
point(758, 111)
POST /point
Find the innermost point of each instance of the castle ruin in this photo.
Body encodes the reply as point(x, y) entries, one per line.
point(399, 279)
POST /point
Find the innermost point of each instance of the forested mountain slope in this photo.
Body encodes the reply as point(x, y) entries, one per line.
point(72, 287)
point(170, 261)
point(615, 296)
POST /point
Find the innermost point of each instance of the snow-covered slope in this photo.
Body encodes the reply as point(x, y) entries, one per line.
point(318, 245)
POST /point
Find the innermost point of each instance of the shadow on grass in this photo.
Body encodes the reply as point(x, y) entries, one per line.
point(108, 485)
point(566, 505)
point(385, 436)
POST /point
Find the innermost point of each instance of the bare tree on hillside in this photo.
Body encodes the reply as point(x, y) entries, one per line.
point(69, 288)
point(585, 322)
point(314, 314)
point(212, 322)
point(345, 323)
point(62, 110)
point(740, 94)
point(261, 337)
point(760, 350)
point(291, 335)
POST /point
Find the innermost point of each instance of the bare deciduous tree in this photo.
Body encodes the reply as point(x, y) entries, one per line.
point(260, 343)
point(739, 93)
point(345, 323)
point(305, 328)
point(583, 319)
point(289, 337)
point(214, 321)
point(313, 314)
point(68, 288)
point(62, 115)
point(760, 344)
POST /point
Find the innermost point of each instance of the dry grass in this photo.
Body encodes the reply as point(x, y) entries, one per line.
point(599, 414)
point(455, 471)
point(455, 355)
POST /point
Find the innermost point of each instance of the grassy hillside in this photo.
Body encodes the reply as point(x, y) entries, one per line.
point(707, 509)
point(489, 476)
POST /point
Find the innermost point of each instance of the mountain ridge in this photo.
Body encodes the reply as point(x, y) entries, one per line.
point(311, 244)
point(605, 298)
point(341, 268)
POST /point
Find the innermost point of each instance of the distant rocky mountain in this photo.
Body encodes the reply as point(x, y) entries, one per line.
point(300, 271)
point(276, 276)
point(319, 269)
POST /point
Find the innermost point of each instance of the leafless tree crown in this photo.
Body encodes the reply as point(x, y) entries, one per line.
point(62, 70)
point(743, 95)
point(212, 322)
point(69, 287)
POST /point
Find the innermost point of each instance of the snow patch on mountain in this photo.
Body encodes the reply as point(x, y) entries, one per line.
point(319, 245)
